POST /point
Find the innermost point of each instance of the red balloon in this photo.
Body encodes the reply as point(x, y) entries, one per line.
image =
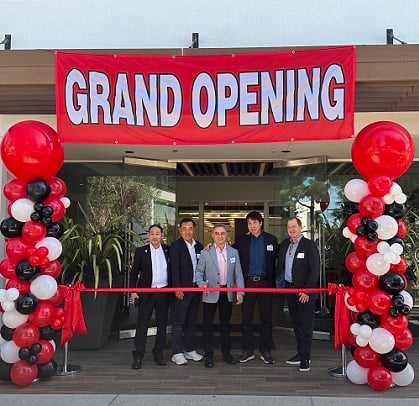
point(8, 268)
point(43, 314)
point(22, 286)
point(379, 302)
point(379, 378)
point(47, 352)
point(379, 185)
point(14, 189)
point(33, 231)
point(58, 187)
point(365, 280)
point(354, 221)
point(401, 228)
point(395, 325)
point(17, 249)
point(53, 268)
point(371, 206)
point(57, 207)
point(355, 263)
point(26, 334)
point(404, 340)
point(31, 149)
point(366, 357)
point(364, 247)
point(400, 267)
point(55, 299)
point(22, 373)
point(383, 148)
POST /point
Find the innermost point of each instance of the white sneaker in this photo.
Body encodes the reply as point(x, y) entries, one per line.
point(179, 359)
point(193, 355)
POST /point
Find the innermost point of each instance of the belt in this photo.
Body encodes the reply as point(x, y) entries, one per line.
point(223, 286)
point(256, 278)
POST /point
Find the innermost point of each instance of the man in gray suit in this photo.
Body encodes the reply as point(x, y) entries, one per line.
point(219, 266)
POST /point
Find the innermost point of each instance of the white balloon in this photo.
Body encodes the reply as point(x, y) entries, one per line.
point(381, 340)
point(388, 198)
point(12, 294)
point(404, 377)
point(377, 265)
point(13, 318)
point(66, 202)
point(350, 307)
point(355, 328)
point(54, 247)
point(365, 331)
point(357, 374)
point(395, 189)
point(53, 344)
point(397, 248)
point(347, 233)
point(44, 287)
point(2, 340)
point(401, 198)
point(391, 257)
point(22, 209)
point(9, 352)
point(8, 305)
point(353, 238)
point(383, 247)
point(408, 299)
point(2, 295)
point(356, 189)
point(361, 341)
point(387, 227)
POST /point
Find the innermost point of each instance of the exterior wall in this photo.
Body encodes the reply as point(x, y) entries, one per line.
point(90, 24)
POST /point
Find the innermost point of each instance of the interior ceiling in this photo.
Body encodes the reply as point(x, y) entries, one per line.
point(386, 88)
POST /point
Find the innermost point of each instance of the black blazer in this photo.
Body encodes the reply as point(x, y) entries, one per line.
point(271, 253)
point(181, 267)
point(306, 264)
point(142, 271)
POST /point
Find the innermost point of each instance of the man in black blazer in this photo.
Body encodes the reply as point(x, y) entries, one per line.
point(258, 251)
point(151, 270)
point(184, 256)
point(299, 267)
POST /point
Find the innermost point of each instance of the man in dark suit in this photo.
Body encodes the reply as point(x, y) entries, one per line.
point(184, 256)
point(299, 267)
point(151, 270)
point(258, 251)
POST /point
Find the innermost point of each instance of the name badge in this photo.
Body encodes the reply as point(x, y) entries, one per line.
point(232, 260)
point(270, 247)
point(198, 256)
point(300, 255)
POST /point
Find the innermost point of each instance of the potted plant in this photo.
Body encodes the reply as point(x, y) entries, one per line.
point(95, 258)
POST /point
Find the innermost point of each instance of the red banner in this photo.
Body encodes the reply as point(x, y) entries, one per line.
point(213, 99)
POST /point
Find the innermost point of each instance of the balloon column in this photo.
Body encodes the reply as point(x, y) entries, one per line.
point(378, 300)
point(31, 151)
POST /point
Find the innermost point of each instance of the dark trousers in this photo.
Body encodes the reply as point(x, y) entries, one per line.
point(184, 321)
point(149, 302)
point(225, 309)
point(302, 317)
point(264, 302)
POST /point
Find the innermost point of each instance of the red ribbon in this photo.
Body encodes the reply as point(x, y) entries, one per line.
point(342, 315)
point(73, 312)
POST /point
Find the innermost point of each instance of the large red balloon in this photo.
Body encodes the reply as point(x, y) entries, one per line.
point(404, 340)
point(395, 325)
point(379, 302)
point(371, 206)
point(366, 357)
point(379, 378)
point(365, 280)
point(355, 262)
point(379, 185)
point(8, 268)
point(22, 373)
point(31, 149)
point(33, 231)
point(365, 247)
point(14, 189)
point(383, 148)
point(25, 335)
point(43, 315)
point(47, 352)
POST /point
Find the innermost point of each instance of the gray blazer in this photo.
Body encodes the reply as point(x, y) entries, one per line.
point(207, 270)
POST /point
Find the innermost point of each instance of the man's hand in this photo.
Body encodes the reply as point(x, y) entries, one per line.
point(179, 295)
point(239, 298)
point(303, 297)
point(132, 297)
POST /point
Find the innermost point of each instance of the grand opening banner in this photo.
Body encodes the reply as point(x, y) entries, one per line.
point(212, 99)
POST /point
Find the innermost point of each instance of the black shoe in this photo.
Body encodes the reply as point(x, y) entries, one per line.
point(229, 359)
point(246, 356)
point(266, 357)
point(159, 360)
point(305, 365)
point(137, 358)
point(295, 360)
point(209, 361)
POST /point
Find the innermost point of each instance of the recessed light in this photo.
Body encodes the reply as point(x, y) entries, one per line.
point(285, 151)
point(128, 152)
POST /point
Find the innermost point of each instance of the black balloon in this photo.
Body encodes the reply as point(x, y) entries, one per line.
point(7, 332)
point(393, 312)
point(36, 348)
point(38, 207)
point(5, 369)
point(391, 283)
point(398, 301)
point(26, 303)
point(24, 353)
point(26, 271)
point(32, 359)
point(38, 190)
point(372, 236)
point(47, 370)
point(372, 225)
point(11, 228)
point(35, 216)
point(395, 360)
point(395, 210)
point(47, 211)
point(405, 310)
point(47, 333)
point(360, 231)
point(367, 318)
point(55, 230)
point(46, 221)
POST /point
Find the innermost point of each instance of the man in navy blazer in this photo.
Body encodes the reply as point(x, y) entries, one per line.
point(151, 270)
point(184, 256)
point(219, 267)
point(299, 267)
point(258, 251)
